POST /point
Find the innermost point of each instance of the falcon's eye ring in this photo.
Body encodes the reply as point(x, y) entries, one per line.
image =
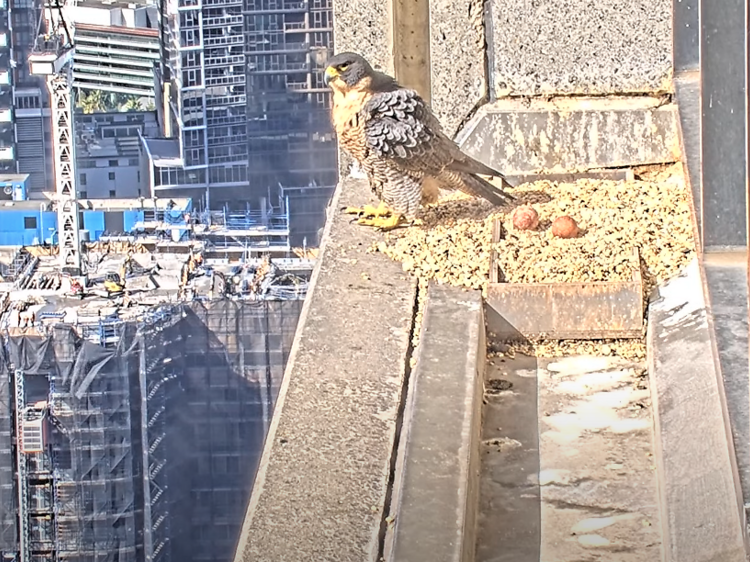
point(344, 66)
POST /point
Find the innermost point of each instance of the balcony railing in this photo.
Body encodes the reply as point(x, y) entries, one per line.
point(222, 21)
point(224, 80)
point(222, 2)
point(224, 40)
point(213, 62)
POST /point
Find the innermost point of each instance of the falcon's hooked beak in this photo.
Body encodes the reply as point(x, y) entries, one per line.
point(330, 75)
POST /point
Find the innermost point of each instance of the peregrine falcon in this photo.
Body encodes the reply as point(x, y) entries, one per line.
point(399, 143)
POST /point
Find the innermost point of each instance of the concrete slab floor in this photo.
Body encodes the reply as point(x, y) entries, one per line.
point(567, 462)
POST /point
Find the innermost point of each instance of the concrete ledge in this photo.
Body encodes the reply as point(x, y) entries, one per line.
point(321, 491)
point(520, 137)
point(698, 480)
point(435, 497)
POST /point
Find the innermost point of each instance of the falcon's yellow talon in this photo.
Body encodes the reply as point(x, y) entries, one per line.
point(369, 211)
point(382, 223)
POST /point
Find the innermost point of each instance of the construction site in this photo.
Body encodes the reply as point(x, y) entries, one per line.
point(142, 350)
point(136, 398)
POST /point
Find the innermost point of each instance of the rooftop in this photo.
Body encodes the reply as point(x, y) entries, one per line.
point(11, 178)
point(152, 279)
point(112, 4)
point(163, 204)
point(118, 29)
point(163, 152)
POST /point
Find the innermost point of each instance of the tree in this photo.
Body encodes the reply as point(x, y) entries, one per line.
point(91, 101)
point(131, 104)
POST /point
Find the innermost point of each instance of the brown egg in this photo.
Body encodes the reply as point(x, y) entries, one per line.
point(565, 227)
point(525, 218)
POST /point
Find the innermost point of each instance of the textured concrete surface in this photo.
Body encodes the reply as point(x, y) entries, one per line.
point(726, 276)
point(509, 523)
point(516, 137)
point(699, 484)
point(580, 46)
point(568, 469)
point(457, 45)
point(320, 492)
point(364, 27)
point(436, 480)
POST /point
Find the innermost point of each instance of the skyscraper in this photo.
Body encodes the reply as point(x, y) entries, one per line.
point(246, 107)
point(31, 122)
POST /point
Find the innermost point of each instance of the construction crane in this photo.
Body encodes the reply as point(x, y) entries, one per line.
point(52, 57)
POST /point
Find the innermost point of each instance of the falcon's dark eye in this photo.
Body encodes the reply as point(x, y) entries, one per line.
point(344, 66)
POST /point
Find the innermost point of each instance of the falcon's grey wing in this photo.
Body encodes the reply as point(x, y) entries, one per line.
point(401, 129)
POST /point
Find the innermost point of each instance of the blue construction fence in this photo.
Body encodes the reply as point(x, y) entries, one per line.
point(29, 226)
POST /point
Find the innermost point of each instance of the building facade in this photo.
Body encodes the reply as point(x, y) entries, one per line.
point(7, 140)
point(117, 46)
point(108, 153)
point(245, 106)
point(31, 127)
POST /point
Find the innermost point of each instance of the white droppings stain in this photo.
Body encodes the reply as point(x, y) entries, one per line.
point(592, 142)
point(594, 381)
point(544, 140)
point(585, 418)
point(682, 295)
point(471, 305)
point(584, 364)
point(593, 540)
point(518, 135)
point(613, 399)
point(596, 523)
point(356, 172)
point(553, 476)
point(629, 425)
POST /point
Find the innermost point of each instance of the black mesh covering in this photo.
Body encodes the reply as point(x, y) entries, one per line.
point(153, 433)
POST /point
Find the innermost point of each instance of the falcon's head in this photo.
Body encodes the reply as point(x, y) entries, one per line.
point(346, 70)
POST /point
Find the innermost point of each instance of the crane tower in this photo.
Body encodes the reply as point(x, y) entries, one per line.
point(52, 57)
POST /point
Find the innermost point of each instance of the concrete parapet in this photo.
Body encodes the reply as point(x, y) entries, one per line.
point(435, 497)
point(701, 502)
point(321, 492)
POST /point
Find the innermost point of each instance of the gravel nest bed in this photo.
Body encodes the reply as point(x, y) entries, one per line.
point(651, 213)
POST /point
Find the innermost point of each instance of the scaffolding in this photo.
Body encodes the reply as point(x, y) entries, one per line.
point(250, 103)
point(138, 441)
point(8, 496)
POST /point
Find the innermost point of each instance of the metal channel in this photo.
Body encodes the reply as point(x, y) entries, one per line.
point(724, 133)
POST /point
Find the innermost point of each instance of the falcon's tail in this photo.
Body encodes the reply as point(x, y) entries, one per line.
point(468, 168)
point(479, 187)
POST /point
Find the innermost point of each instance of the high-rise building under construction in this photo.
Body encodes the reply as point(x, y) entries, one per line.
point(137, 440)
point(243, 100)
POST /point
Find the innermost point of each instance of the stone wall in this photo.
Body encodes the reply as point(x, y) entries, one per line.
point(483, 50)
point(547, 47)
